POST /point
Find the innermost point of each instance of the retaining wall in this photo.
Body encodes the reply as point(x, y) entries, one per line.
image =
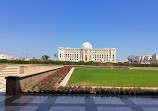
point(20, 83)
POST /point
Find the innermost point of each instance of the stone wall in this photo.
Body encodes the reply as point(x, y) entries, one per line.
point(18, 84)
point(34, 68)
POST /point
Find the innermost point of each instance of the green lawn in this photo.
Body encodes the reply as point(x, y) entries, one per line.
point(114, 77)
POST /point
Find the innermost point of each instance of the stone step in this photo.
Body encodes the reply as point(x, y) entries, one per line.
point(3, 81)
point(3, 90)
point(10, 67)
point(4, 75)
point(9, 72)
point(8, 75)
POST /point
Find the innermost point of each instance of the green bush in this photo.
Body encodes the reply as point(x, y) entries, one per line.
point(37, 61)
point(89, 90)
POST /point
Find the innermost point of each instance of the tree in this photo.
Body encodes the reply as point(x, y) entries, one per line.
point(132, 58)
point(45, 57)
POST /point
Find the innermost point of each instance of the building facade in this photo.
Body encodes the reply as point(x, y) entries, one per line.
point(86, 53)
point(146, 58)
point(8, 57)
point(155, 56)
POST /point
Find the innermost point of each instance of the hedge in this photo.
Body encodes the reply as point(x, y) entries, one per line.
point(99, 90)
point(76, 63)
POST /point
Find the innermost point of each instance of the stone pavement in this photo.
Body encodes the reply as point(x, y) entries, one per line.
point(50, 102)
point(66, 79)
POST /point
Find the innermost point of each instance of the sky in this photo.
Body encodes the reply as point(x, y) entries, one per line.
point(32, 28)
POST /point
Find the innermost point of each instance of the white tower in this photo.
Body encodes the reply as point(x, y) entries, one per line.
point(86, 51)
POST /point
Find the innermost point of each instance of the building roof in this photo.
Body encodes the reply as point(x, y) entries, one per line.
point(86, 45)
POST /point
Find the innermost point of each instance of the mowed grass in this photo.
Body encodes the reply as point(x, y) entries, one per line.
point(114, 77)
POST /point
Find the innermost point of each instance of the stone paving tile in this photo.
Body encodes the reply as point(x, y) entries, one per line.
point(130, 104)
point(150, 109)
point(19, 108)
point(3, 97)
point(107, 100)
point(30, 99)
point(70, 99)
point(147, 101)
point(77, 103)
point(68, 108)
point(114, 109)
point(90, 104)
point(47, 104)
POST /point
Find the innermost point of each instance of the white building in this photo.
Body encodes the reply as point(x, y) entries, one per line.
point(155, 56)
point(8, 57)
point(87, 53)
point(146, 58)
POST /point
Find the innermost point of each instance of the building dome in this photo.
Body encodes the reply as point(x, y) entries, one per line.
point(86, 45)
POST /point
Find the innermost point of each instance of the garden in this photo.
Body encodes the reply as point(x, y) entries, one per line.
point(82, 79)
point(52, 81)
point(114, 77)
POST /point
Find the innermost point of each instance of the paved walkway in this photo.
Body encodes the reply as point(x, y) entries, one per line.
point(78, 103)
point(67, 77)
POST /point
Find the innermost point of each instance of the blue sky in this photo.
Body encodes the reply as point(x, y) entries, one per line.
point(38, 27)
